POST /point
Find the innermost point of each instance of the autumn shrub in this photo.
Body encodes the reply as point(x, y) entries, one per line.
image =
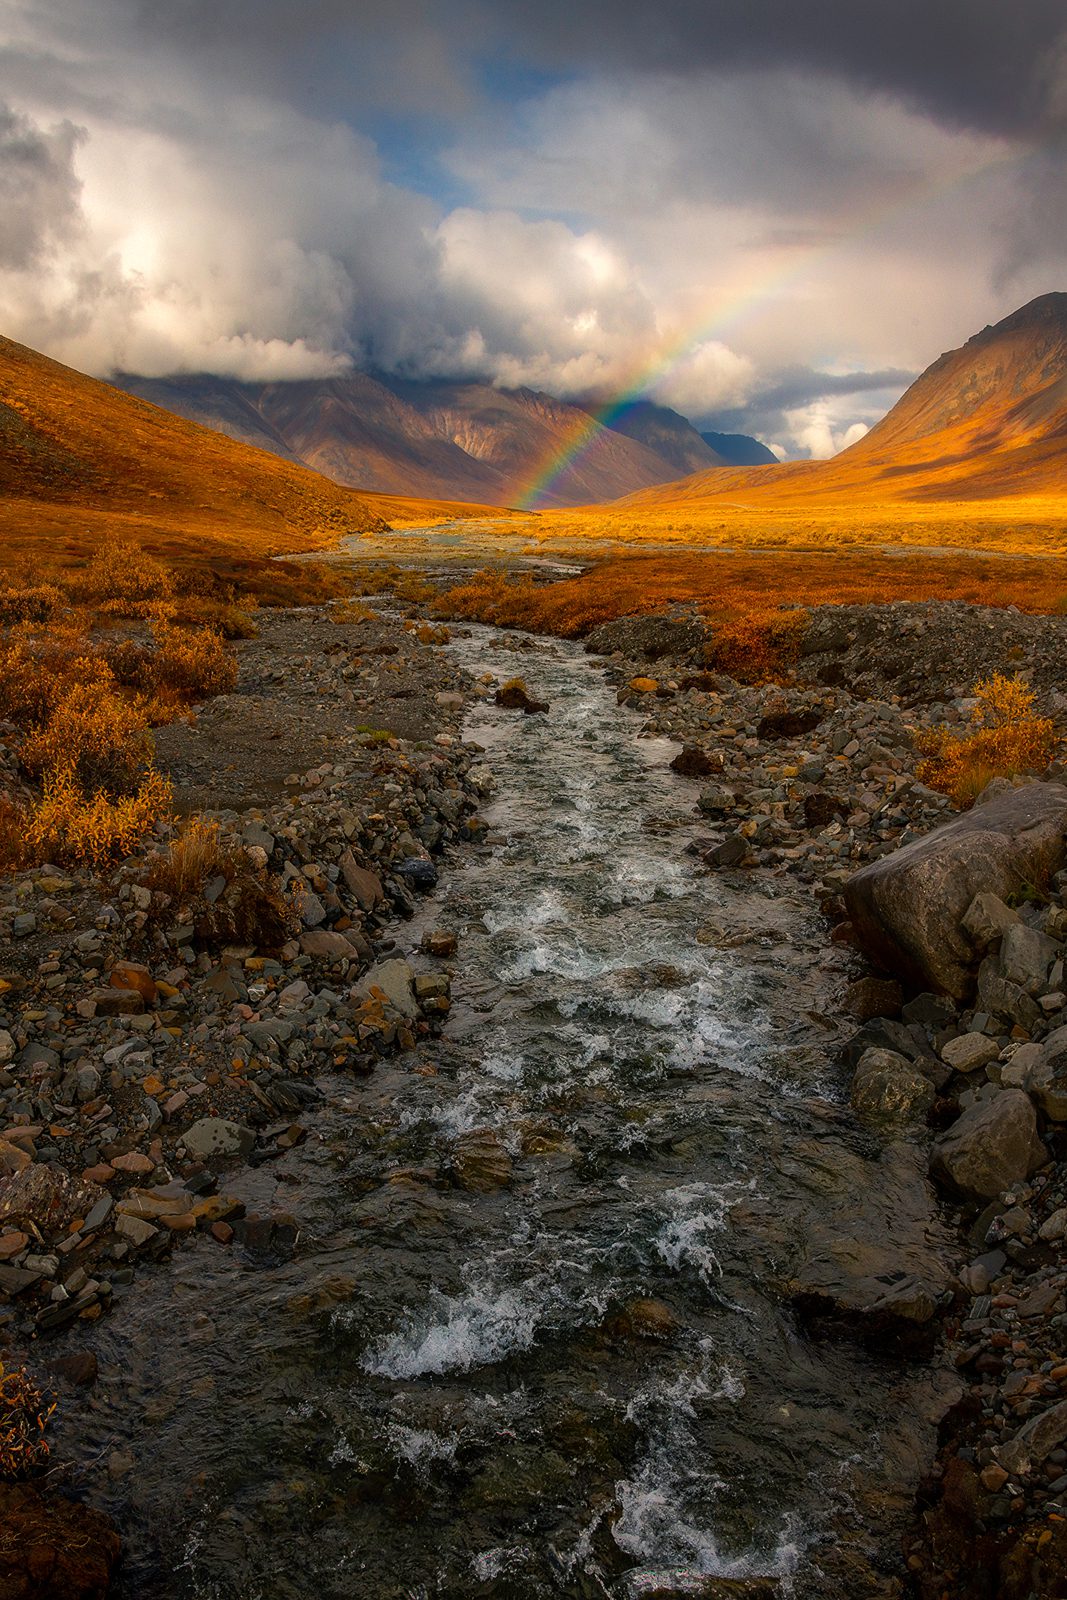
point(1004, 738)
point(758, 647)
point(175, 668)
point(122, 579)
point(94, 738)
point(25, 1411)
point(69, 826)
point(32, 603)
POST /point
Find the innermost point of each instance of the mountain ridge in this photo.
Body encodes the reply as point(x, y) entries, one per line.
point(439, 438)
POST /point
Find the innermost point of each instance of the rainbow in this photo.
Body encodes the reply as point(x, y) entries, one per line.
point(729, 307)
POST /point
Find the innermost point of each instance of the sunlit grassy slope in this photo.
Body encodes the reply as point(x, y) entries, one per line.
point(82, 463)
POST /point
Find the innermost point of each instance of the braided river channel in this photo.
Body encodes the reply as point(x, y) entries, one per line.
point(536, 1338)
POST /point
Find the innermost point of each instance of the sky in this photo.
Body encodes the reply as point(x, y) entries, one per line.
point(768, 215)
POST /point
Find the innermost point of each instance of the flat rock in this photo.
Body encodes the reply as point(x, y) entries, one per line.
point(47, 1197)
point(1035, 1439)
point(215, 1136)
point(907, 908)
point(970, 1051)
point(394, 982)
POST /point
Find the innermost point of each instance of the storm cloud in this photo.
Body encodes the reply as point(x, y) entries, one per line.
point(766, 215)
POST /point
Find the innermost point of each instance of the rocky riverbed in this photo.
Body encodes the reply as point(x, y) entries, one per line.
point(442, 1125)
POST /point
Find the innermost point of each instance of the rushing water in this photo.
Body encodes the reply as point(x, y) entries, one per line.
point(585, 1382)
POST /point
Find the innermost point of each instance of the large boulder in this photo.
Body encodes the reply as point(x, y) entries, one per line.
point(908, 908)
point(991, 1146)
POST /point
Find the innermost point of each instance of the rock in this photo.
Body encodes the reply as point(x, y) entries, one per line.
point(327, 946)
point(480, 1161)
point(514, 696)
point(648, 638)
point(136, 1230)
point(1002, 998)
point(394, 982)
point(907, 908)
point(873, 997)
point(1054, 1227)
point(78, 1368)
point(644, 685)
point(117, 1002)
point(47, 1197)
point(215, 1136)
point(788, 724)
point(131, 975)
point(645, 1319)
point(418, 871)
point(991, 1146)
point(1035, 1439)
point(821, 809)
point(7, 1047)
point(888, 1088)
point(52, 1548)
point(970, 1051)
point(12, 1158)
point(1026, 957)
point(440, 942)
point(691, 762)
point(135, 1162)
point(734, 851)
point(365, 886)
point(987, 919)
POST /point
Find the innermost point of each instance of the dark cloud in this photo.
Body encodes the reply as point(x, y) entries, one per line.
point(994, 65)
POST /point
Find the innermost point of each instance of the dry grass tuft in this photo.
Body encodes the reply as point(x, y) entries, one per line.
point(191, 859)
point(1006, 738)
point(25, 1411)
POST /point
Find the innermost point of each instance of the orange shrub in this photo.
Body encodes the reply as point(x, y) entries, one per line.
point(94, 738)
point(191, 859)
point(758, 648)
point(1005, 738)
point(192, 664)
point(119, 575)
point(68, 826)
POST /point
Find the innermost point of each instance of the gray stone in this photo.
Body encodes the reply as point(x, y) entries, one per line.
point(907, 908)
point(215, 1136)
point(135, 1229)
point(395, 981)
point(1037, 1437)
point(1055, 1226)
point(327, 945)
point(969, 1052)
point(1026, 957)
point(7, 1047)
point(364, 885)
point(991, 1146)
point(987, 919)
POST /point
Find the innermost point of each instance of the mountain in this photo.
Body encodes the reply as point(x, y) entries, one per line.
point(740, 450)
point(80, 458)
point(443, 440)
point(984, 422)
point(672, 438)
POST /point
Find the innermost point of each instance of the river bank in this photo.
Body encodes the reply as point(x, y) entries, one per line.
point(552, 1301)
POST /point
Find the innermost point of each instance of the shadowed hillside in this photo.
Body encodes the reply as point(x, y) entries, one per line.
point(442, 440)
point(81, 461)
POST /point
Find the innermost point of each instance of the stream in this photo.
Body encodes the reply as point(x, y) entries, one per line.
point(534, 1340)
